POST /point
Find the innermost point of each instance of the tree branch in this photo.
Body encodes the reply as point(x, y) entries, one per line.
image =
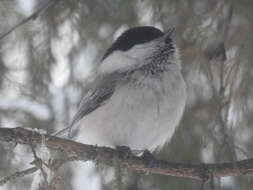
point(105, 155)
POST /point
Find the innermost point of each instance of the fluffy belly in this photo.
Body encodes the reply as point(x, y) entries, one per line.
point(139, 116)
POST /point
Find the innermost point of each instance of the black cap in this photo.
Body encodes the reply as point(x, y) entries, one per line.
point(134, 36)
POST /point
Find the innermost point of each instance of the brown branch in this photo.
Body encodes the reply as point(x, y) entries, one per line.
point(82, 152)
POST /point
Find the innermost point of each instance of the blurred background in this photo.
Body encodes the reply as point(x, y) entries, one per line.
point(45, 63)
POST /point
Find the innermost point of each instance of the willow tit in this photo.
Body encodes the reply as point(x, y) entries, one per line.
point(138, 95)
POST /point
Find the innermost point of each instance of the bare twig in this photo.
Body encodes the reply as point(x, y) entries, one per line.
point(17, 175)
point(33, 16)
point(54, 165)
point(38, 162)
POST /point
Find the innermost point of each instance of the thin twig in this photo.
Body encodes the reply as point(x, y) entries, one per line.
point(17, 175)
point(33, 16)
point(38, 162)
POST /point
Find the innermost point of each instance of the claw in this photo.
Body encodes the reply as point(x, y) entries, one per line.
point(124, 151)
point(149, 159)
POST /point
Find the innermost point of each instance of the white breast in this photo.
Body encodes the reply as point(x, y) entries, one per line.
point(141, 115)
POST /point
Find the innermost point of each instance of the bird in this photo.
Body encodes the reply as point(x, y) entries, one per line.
point(138, 95)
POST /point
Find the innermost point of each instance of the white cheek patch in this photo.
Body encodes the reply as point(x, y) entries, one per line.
point(126, 60)
point(118, 61)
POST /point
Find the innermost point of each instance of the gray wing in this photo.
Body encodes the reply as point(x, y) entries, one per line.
point(98, 94)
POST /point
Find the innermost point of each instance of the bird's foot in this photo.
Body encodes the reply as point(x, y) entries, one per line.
point(124, 151)
point(148, 158)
